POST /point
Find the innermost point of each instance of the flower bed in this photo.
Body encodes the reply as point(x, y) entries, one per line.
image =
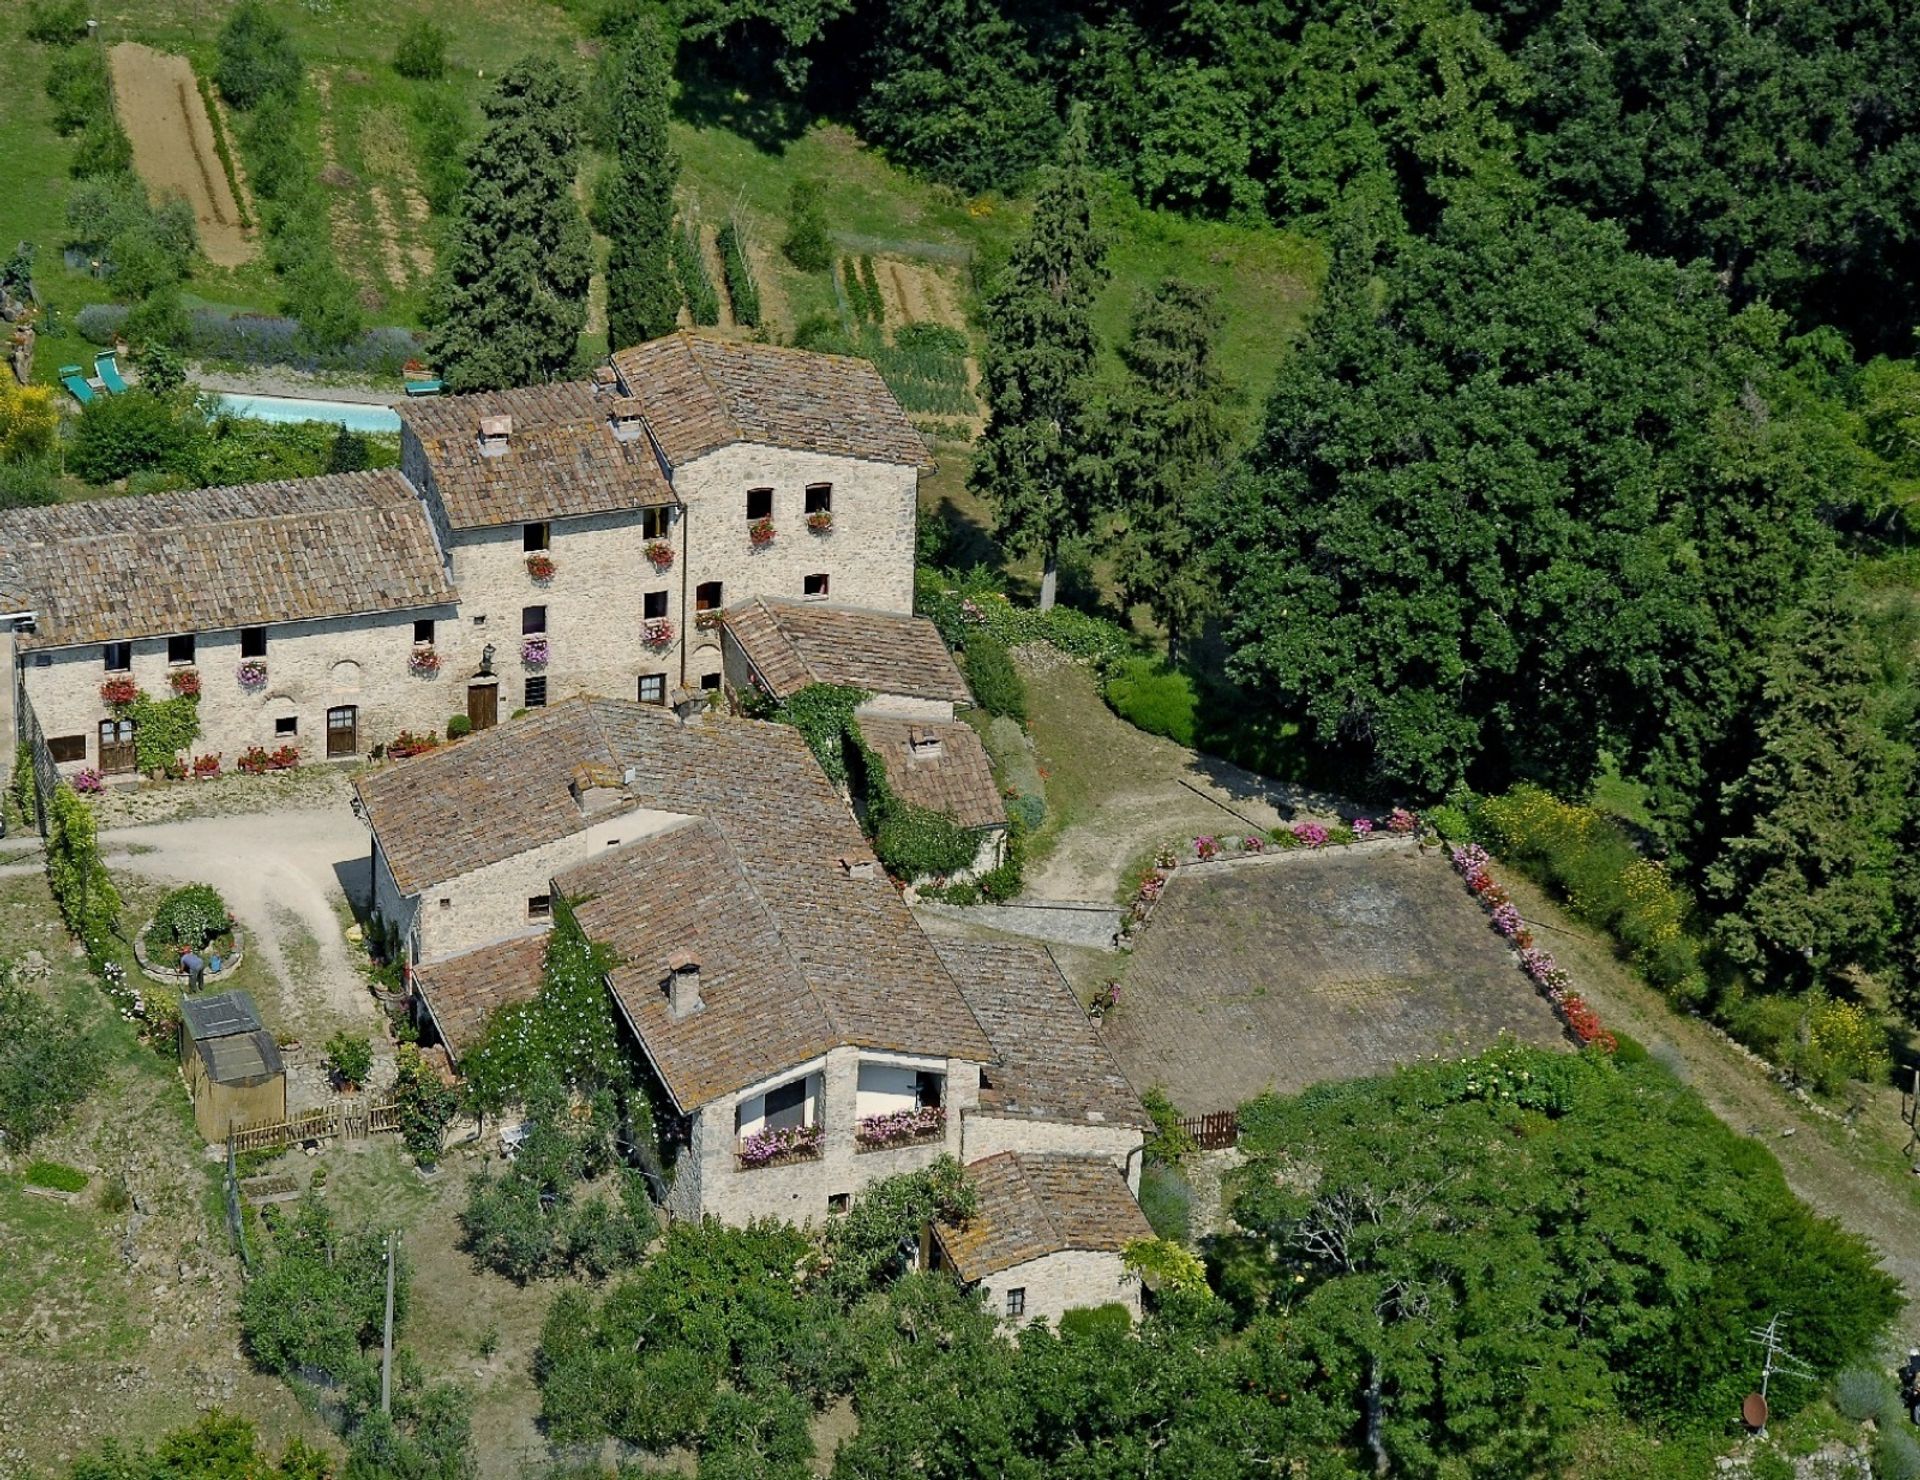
point(821, 521)
point(407, 743)
point(900, 1128)
point(1547, 974)
point(118, 692)
point(657, 632)
point(535, 652)
point(770, 1148)
point(252, 673)
point(185, 682)
point(423, 661)
point(761, 532)
point(257, 759)
point(540, 566)
point(660, 553)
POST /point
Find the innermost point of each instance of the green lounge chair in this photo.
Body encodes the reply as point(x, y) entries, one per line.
point(108, 369)
point(424, 387)
point(75, 380)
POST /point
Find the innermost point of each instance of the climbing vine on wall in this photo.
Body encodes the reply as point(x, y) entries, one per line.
point(163, 729)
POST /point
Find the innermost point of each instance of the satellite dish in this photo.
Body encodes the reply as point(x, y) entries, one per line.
point(1753, 1411)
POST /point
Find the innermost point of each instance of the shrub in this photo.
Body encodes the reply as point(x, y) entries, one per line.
point(1864, 1392)
point(100, 323)
point(104, 149)
point(89, 904)
point(191, 917)
point(807, 246)
point(47, 1065)
point(1152, 696)
point(55, 1175)
point(458, 726)
point(1167, 1201)
point(257, 58)
point(350, 1056)
point(422, 52)
point(876, 305)
point(690, 267)
point(996, 683)
point(78, 84)
point(426, 1105)
point(741, 289)
point(1897, 1454)
point(57, 22)
point(1029, 812)
point(914, 841)
point(441, 121)
point(1451, 822)
point(1169, 1142)
point(118, 435)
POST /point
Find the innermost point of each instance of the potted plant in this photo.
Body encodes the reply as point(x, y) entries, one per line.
point(252, 673)
point(350, 1058)
point(820, 521)
point(253, 760)
point(88, 782)
point(657, 632)
point(119, 691)
point(284, 759)
point(540, 566)
point(761, 532)
point(535, 652)
point(660, 553)
point(185, 682)
point(423, 661)
point(206, 767)
point(406, 744)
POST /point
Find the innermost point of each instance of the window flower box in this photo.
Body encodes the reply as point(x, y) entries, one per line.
point(778, 1147)
point(657, 632)
point(406, 743)
point(820, 521)
point(541, 567)
point(760, 533)
point(660, 553)
point(116, 692)
point(252, 673)
point(900, 1128)
point(535, 652)
point(707, 620)
point(423, 661)
point(206, 767)
point(88, 782)
point(185, 682)
point(256, 760)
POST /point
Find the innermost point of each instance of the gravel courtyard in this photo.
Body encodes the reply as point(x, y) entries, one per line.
point(1278, 973)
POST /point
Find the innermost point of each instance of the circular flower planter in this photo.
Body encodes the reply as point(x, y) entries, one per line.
point(170, 974)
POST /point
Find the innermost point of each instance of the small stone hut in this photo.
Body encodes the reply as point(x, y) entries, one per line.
point(232, 1065)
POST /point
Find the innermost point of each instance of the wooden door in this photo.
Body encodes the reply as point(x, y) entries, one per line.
point(117, 754)
point(483, 705)
point(343, 731)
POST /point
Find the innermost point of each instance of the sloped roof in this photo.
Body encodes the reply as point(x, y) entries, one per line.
point(561, 459)
point(217, 1014)
point(700, 394)
point(685, 890)
point(463, 991)
point(795, 643)
point(110, 569)
point(244, 1059)
point(1031, 1206)
point(958, 781)
point(1050, 1062)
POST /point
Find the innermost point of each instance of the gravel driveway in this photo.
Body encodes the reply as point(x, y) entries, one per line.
point(284, 875)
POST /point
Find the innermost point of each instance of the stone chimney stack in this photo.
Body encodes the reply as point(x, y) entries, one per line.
point(683, 985)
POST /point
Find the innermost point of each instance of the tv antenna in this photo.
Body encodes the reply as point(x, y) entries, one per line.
point(1778, 1362)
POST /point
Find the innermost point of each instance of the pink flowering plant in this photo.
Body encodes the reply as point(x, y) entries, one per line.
point(423, 661)
point(1253, 843)
point(88, 782)
point(1206, 849)
point(1310, 833)
point(657, 632)
point(901, 1125)
point(252, 673)
point(778, 1143)
point(1363, 828)
point(535, 653)
point(1402, 823)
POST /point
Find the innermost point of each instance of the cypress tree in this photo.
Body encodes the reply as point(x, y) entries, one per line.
point(511, 298)
point(1036, 463)
point(643, 295)
point(1906, 894)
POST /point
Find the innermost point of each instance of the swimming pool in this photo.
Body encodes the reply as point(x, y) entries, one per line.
point(352, 415)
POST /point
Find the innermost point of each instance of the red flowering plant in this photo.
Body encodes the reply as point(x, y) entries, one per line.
point(820, 521)
point(761, 532)
point(540, 566)
point(423, 661)
point(284, 759)
point(253, 760)
point(116, 692)
point(660, 553)
point(185, 682)
point(406, 743)
point(206, 767)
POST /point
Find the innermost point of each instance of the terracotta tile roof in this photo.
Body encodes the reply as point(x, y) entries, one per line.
point(685, 890)
point(700, 394)
point(1050, 1061)
point(794, 643)
point(1032, 1206)
point(562, 457)
point(501, 793)
point(463, 991)
point(115, 568)
point(957, 781)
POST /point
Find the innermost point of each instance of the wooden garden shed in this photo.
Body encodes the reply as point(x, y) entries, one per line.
point(232, 1065)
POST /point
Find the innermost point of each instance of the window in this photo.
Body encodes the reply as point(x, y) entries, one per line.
point(536, 536)
point(1017, 1301)
point(787, 1105)
point(839, 1202)
point(253, 642)
point(654, 522)
point(706, 596)
point(423, 630)
point(180, 649)
point(118, 655)
point(533, 619)
point(759, 503)
point(819, 498)
point(64, 748)
point(287, 724)
point(540, 907)
point(445, 902)
point(536, 691)
point(653, 688)
point(653, 604)
point(709, 680)
point(814, 585)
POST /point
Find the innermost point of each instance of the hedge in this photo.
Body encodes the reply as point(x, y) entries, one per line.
point(690, 267)
point(89, 904)
point(996, 683)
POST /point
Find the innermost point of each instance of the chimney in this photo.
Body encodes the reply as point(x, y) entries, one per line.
point(923, 744)
point(596, 789)
point(859, 866)
point(605, 382)
point(683, 985)
point(495, 434)
point(624, 417)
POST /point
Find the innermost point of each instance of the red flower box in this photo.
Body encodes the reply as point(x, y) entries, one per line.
point(660, 553)
point(540, 566)
point(118, 691)
point(761, 532)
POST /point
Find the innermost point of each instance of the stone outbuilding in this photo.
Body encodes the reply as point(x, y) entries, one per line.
point(943, 766)
point(232, 1065)
point(1047, 1236)
point(779, 647)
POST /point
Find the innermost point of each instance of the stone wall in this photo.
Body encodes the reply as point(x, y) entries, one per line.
point(987, 1134)
point(709, 1180)
point(312, 667)
point(1058, 1283)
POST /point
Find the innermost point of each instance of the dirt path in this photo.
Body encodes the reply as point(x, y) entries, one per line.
point(159, 103)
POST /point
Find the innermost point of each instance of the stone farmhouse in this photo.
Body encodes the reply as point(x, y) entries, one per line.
point(587, 537)
point(804, 1035)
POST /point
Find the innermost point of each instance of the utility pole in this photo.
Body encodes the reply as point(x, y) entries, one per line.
point(386, 1344)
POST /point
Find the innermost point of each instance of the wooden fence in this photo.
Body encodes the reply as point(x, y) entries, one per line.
point(1216, 1132)
point(353, 1119)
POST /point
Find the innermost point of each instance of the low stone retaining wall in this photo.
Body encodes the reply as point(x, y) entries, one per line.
point(173, 976)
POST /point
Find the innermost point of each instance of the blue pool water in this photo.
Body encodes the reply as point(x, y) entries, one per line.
point(349, 414)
